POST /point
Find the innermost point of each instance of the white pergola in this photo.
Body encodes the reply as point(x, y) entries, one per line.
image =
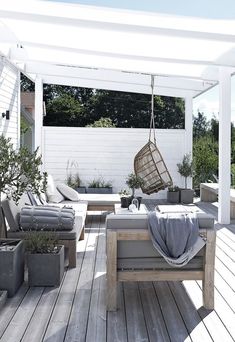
point(115, 49)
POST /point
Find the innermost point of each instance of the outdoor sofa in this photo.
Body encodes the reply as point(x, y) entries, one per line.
point(132, 257)
point(67, 238)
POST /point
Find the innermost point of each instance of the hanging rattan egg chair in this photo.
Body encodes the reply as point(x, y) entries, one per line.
point(148, 162)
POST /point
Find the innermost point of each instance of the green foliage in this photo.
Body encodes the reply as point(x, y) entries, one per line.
point(73, 181)
point(185, 168)
point(205, 160)
point(200, 125)
point(19, 171)
point(173, 189)
point(41, 242)
point(134, 182)
point(102, 122)
point(99, 183)
point(124, 193)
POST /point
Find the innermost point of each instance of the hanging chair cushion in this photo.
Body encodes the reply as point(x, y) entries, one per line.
point(150, 166)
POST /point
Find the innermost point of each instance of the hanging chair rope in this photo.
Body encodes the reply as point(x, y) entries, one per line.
point(148, 162)
point(152, 120)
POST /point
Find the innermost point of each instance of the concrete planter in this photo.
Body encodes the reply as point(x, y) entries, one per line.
point(186, 196)
point(11, 265)
point(99, 190)
point(3, 298)
point(173, 196)
point(126, 201)
point(46, 269)
point(81, 190)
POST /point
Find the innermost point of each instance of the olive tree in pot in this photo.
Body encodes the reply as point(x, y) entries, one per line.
point(45, 259)
point(135, 182)
point(185, 169)
point(19, 172)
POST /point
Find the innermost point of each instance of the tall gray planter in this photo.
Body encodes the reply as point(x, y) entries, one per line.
point(46, 269)
point(173, 196)
point(186, 196)
point(11, 265)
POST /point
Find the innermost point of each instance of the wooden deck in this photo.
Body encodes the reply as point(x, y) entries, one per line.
point(161, 311)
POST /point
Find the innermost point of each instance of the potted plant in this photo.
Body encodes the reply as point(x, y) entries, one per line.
point(45, 259)
point(134, 182)
point(173, 194)
point(11, 265)
point(185, 169)
point(74, 181)
point(125, 198)
point(99, 186)
point(19, 172)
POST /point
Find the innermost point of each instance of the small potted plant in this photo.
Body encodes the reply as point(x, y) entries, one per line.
point(185, 169)
point(173, 194)
point(74, 181)
point(99, 186)
point(134, 182)
point(45, 259)
point(125, 198)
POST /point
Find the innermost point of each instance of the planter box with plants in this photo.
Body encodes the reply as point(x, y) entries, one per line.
point(99, 186)
point(74, 181)
point(11, 265)
point(185, 169)
point(173, 194)
point(45, 259)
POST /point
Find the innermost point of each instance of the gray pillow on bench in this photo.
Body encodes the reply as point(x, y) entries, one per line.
point(46, 218)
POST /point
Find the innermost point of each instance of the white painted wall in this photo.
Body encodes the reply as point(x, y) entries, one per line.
point(106, 152)
point(10, 100)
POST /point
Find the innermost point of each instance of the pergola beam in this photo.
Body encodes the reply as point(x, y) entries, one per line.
point(175, 28)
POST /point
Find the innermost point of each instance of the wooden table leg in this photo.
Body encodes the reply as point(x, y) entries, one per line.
point(111, 270)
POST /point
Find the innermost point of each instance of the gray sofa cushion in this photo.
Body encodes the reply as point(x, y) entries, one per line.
point(12, 211)
point(132, 221)
point(46, 218)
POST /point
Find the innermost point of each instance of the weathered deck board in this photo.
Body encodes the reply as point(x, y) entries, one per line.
point(161, 311)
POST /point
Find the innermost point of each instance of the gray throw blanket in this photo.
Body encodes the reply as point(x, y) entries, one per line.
point(175, 236)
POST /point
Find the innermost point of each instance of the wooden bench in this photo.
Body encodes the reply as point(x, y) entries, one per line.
point(209, 193)
point(131, 257)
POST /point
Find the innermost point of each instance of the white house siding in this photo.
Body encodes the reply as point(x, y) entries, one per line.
point(106, 152)
point(9, 100)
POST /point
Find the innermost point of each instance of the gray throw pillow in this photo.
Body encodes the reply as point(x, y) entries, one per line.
point(68, 192)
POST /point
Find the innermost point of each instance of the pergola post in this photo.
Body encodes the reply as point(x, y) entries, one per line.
point(224, 145)
point(38, 113)
point(189, 129)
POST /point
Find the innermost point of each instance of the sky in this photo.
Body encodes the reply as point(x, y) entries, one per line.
point(207, 103)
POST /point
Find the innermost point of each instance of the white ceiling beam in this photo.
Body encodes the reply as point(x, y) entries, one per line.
point(116, 76)
point(105, 85)
point(202, 33)
point(228, 62)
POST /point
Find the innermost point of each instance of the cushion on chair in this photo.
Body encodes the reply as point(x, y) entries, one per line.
point(46, 218)
point(68, 192)
point(12, 211)
point(53, 195)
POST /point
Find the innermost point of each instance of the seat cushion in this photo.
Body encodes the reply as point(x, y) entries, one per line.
point(100, 199)
point(132, 221)
point(12, 211)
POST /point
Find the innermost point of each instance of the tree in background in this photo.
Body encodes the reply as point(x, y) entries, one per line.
point(205, 160)
point(200, 125)
point(73, 106)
